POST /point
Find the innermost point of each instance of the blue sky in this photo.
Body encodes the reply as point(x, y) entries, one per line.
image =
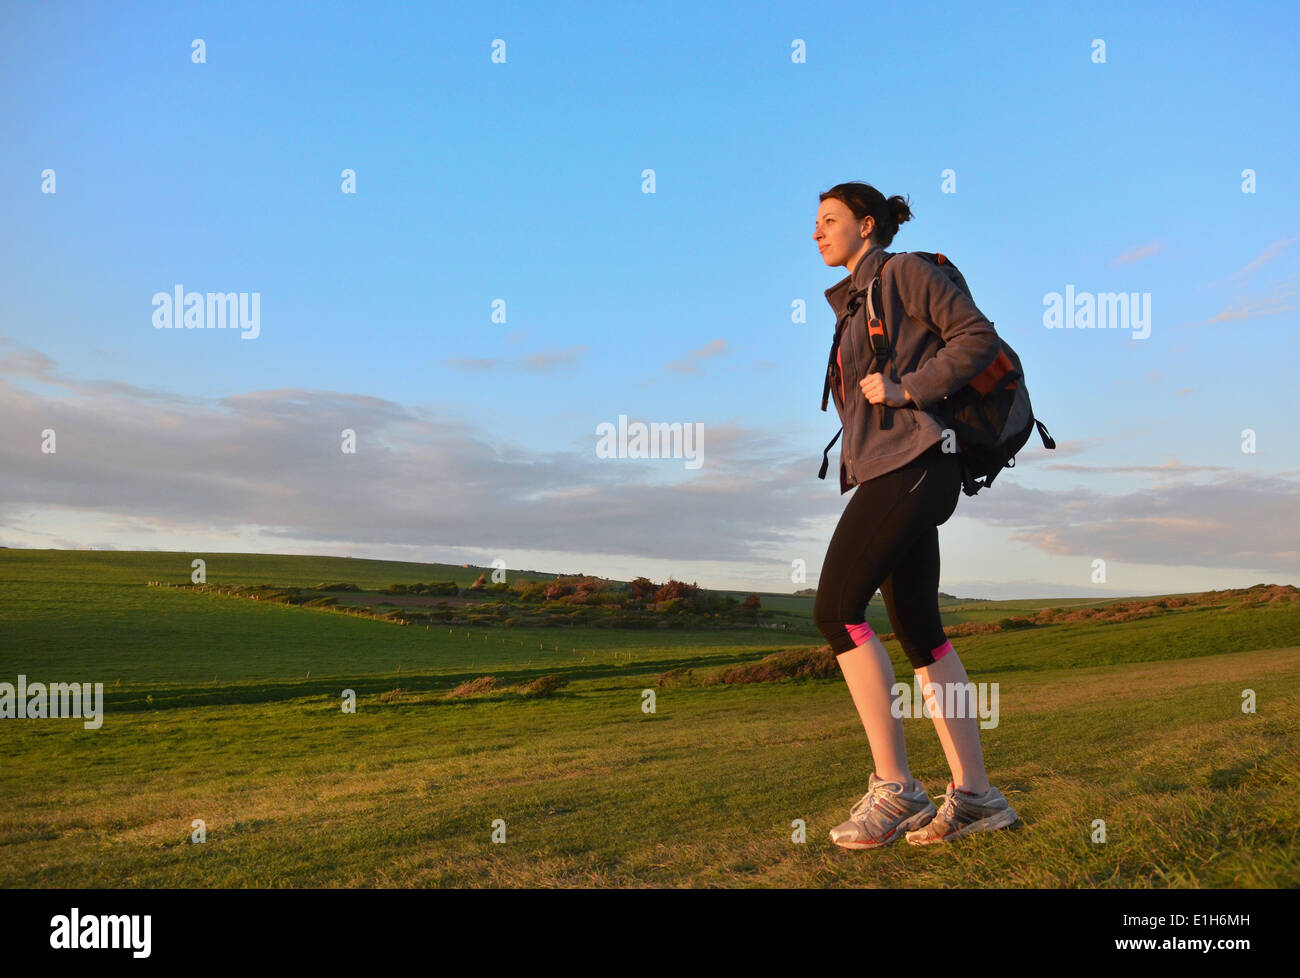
point(479, 182)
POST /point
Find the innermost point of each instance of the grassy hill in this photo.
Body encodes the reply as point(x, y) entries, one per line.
point(228, 710)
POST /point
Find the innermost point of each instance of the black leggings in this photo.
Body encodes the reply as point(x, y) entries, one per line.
point(888, 539)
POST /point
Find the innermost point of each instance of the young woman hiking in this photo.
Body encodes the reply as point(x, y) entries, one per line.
point(887, 537)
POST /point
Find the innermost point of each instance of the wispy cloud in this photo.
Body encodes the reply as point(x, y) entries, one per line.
point(1137, 254)
point(534, 362)
point(1270, 252)
point(690, 364)
point(546, 362)
point(1171, 467)
point(1281, 295)
point(1285, 297)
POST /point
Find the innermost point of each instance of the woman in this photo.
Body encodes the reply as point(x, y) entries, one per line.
point(907, 487)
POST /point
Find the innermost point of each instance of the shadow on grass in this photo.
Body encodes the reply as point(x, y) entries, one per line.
point(143, 700)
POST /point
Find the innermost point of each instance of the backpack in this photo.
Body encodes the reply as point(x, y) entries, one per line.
point(990, 417)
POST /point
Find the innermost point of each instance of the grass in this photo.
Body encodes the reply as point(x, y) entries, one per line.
point(1137, 723)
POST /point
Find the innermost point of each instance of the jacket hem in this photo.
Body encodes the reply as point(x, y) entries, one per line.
point(893, 467)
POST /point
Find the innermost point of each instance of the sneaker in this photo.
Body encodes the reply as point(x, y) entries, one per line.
point(963, 813)
point(883, 815)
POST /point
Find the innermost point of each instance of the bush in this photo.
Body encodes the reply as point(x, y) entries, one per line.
point(579, 589)
point(719, 603)
point(434, 587)
point(1009, 623)
point(544, 685)
point(483, 684)
point(688, 593)
point(529, 590)
point(795, 664)
point(641, 588)
point(680, 676)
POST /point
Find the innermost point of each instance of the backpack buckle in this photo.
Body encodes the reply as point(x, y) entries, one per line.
point(879, 342)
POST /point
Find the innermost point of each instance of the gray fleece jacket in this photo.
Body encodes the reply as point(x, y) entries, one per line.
point(939, 342)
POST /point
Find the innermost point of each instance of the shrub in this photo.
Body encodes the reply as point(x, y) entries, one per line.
point(1008, 623)
point(680, 676)
point(544, 685)
point(794, 664)
point(577, 588)
point(529, 590)
point(677, 589)
point(641, 588)
point(434, 587)
point(483, 684)
point(718, 603)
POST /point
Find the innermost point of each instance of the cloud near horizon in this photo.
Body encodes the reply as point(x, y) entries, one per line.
point(271, 460)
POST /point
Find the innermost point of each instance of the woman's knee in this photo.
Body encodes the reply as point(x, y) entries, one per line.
point(827, 617)
point(842, 630)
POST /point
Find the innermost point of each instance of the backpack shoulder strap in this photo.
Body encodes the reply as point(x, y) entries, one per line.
point(876, 334)
point(826, 454)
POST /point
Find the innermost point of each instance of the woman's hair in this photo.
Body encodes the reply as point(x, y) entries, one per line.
point(865, 200)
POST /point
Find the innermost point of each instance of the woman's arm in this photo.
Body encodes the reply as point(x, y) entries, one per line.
point(970, 342)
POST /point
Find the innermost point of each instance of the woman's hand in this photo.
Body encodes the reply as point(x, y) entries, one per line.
point(878, 388)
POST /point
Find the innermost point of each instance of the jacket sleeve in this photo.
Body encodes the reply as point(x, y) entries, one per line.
point(970, 342)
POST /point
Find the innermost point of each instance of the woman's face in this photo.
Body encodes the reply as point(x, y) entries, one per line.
point(839, 235)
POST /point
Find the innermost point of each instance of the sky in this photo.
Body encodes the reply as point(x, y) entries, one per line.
point(477, 233)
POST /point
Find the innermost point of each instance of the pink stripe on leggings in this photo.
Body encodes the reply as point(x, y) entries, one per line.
point(942, 650)
point(860, 633)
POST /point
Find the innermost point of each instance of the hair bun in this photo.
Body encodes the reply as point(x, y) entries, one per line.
point(902, 213)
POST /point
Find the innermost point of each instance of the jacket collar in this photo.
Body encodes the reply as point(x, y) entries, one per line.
point(838, 294)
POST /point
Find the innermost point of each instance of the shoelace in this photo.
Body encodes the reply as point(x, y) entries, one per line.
point(865, 802)
point(949, 809)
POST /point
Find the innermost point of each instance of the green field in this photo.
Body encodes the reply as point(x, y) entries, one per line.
point(228, 710)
